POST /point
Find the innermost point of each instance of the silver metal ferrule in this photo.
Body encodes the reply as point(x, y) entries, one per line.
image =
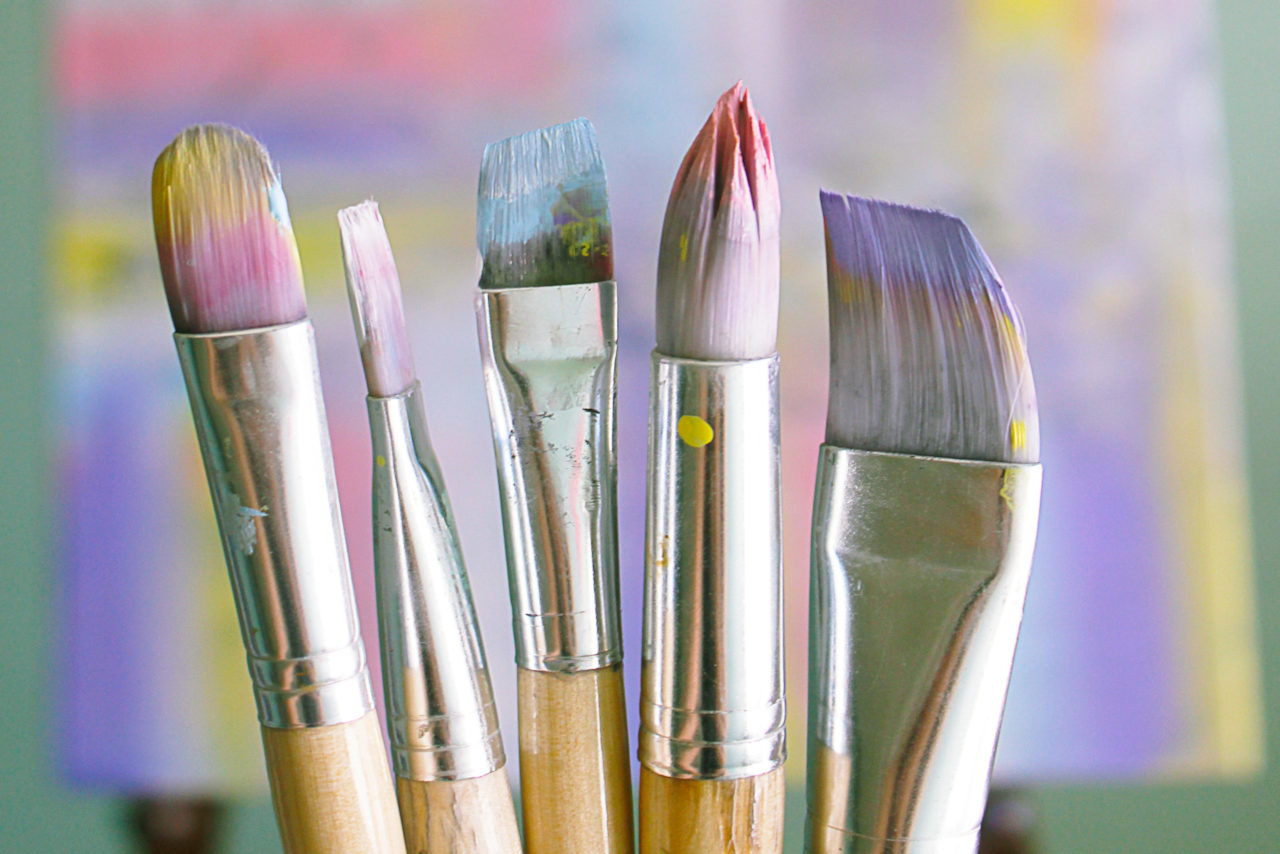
point(440, 711)
point(919, 573)
point(712, 704)
point(259, 416)
point(550, 370)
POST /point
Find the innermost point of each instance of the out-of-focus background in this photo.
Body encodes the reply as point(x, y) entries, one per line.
point(1118, 160)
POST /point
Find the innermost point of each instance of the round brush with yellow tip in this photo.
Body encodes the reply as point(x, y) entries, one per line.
point(234, 284)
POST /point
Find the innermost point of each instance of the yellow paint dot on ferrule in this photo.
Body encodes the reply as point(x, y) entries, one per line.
point(694, 431)
point(380, 460)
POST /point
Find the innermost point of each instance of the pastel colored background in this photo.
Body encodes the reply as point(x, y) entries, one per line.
point(1124, 675)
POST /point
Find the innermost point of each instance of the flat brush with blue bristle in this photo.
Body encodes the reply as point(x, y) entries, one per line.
point(548, 339)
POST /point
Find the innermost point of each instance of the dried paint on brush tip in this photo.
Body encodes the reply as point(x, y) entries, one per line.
point(373, 286)
point(718, 257)
point(226, 247)
point(928, 352)
point(542, 215)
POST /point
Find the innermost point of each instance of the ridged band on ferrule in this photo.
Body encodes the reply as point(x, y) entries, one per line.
point(550, 368)
point(259, 417)
point(712, 704)
point(442, 721)
point(918, 576)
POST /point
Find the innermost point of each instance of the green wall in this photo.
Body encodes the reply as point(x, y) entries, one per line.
point(36, 815)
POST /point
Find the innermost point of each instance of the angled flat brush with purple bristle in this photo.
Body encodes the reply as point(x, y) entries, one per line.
point(925, 515)
point(234, 285)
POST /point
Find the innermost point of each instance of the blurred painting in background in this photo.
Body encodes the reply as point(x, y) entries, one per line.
point(1081, 140)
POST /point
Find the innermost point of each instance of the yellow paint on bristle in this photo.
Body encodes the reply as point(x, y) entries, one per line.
point(694, 431)
point(380, 460)
point(684, 247)
point(1018, 434)
point(219, 176)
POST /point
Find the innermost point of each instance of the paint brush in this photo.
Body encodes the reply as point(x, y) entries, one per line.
point(547, 313)
point(712, 711)
point(445, 746)
point(925, 515)
point(234, 284)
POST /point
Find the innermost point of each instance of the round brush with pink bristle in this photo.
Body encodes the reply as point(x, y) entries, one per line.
point(712, 710)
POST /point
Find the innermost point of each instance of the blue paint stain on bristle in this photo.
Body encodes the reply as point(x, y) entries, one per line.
point(539, 183)
point(277, 204)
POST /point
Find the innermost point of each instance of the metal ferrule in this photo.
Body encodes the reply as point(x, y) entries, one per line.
point(712, 703)
point(919, 573)
point(259, 416)
point(440, 712)
point(550, 370)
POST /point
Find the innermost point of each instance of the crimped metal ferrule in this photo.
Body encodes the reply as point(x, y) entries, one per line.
point(919, 573)
point(550, 370)
point(259, 416)
point(712, 704)
point(440, 711)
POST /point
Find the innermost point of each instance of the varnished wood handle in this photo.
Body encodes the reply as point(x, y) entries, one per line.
point(829, 782)
point(742, 816)
point(575, 769)
point(474, 816)
point(332, 789)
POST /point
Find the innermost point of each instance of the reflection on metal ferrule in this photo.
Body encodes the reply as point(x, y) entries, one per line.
point(550, 370)
point(440, 711)
point(259, 417)
point(919, 573)
point(712, 703)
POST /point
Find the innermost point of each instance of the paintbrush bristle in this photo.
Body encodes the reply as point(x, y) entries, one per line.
point(542, 215)
point(376, 306)
point(226, 247)
point(928, 354)
point(718, 259)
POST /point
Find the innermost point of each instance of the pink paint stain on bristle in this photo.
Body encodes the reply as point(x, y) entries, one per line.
point(733, 155)
point(718, 261)
point(376, 302)
point(235, 275)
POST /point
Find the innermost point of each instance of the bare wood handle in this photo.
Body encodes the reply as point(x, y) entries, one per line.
point(575, 769)
point(332, 789)
point(474, 816)
point(741, 816)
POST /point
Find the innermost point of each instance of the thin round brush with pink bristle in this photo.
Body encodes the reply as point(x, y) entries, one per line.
point(445, 746)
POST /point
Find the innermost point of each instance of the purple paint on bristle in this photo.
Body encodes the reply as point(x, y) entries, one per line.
point(376, 305)
point(928, 352)
point(226, 247)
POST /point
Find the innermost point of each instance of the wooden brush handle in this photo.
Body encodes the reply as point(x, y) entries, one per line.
point(575, 769)
point(332, 789)
point(742, 816)
point(474, 816)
